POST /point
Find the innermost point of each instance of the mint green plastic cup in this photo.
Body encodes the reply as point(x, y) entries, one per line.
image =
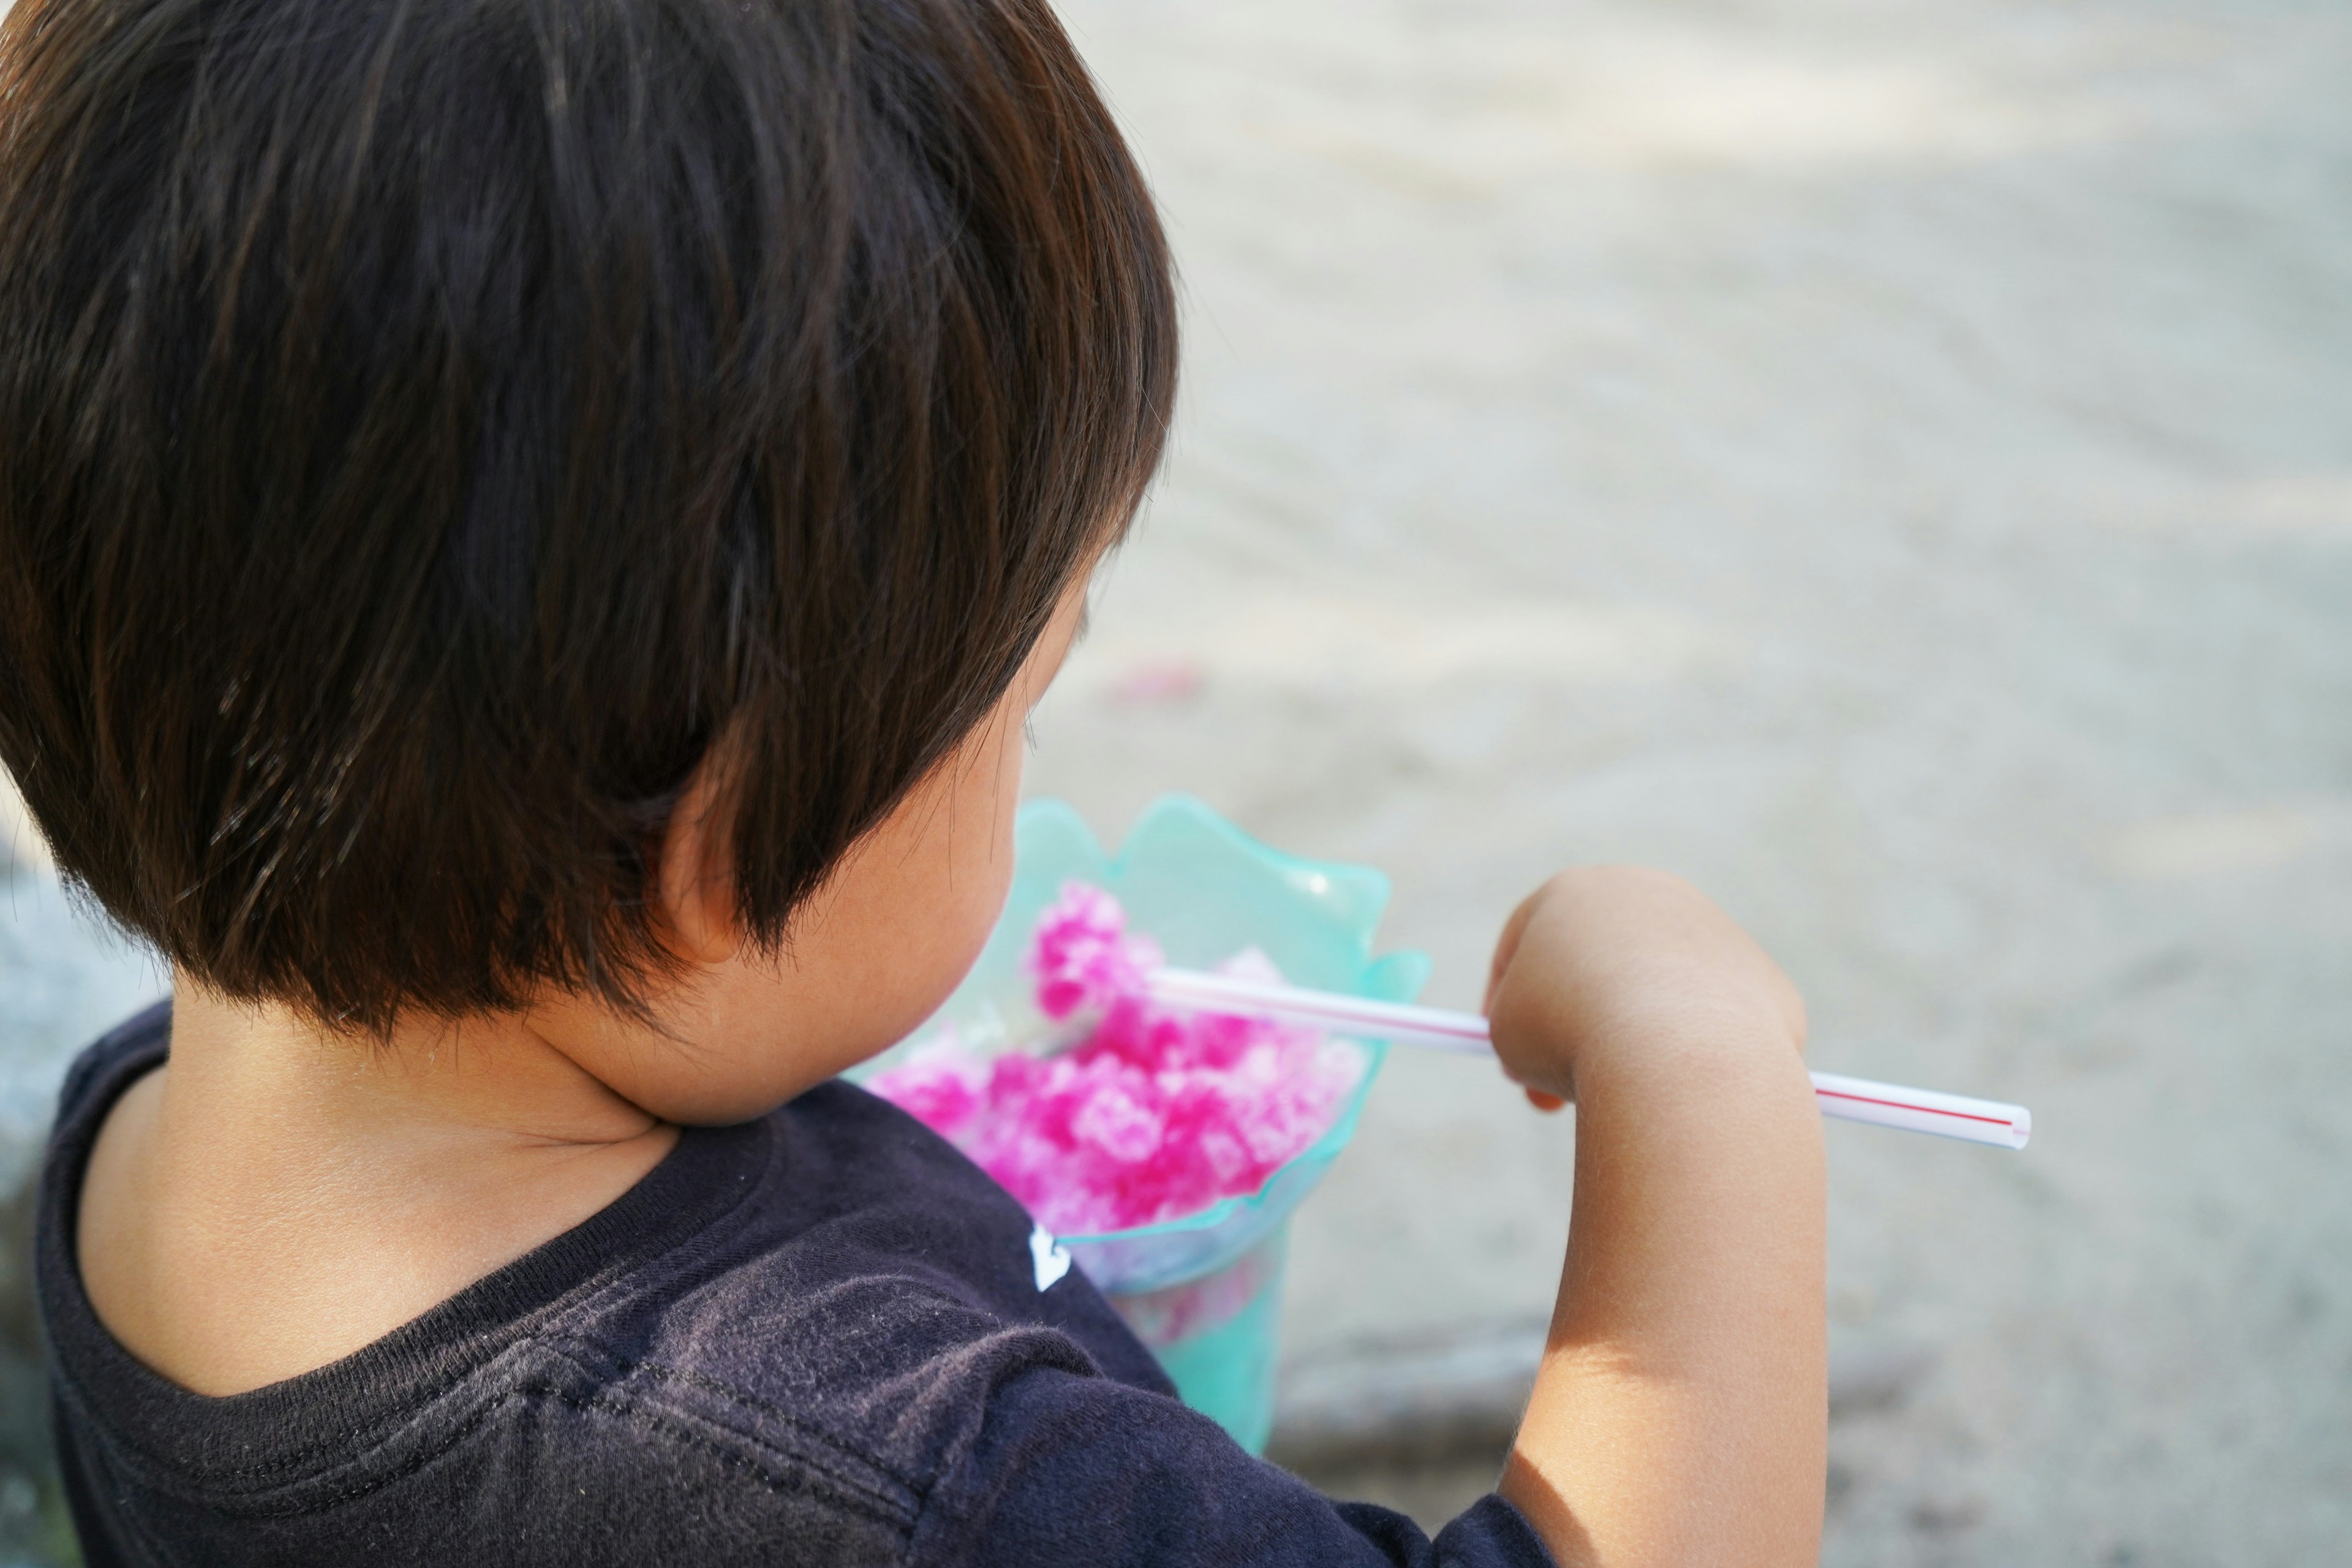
point(1203, 1290)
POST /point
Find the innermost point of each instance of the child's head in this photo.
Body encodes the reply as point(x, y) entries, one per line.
point(438, 438)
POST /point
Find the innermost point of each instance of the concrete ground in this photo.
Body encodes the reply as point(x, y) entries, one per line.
point(1890, 464)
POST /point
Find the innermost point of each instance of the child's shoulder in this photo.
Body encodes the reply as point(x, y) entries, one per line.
point(849, 1248)
point(822, 1301)
point(840, 1317)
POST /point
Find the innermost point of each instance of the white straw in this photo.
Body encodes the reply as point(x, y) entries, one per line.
point(1848, 1098)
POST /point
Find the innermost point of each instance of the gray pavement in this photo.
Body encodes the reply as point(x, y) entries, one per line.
point(1890, 464)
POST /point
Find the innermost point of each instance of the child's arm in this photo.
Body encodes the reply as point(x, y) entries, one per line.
point(1681, 1415)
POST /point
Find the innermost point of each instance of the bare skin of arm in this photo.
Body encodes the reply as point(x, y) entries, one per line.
point(1681, 1413)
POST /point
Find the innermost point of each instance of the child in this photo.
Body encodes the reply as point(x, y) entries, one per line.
point(529, 530)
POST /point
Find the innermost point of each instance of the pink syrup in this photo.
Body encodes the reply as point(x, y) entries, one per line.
point(1153, 1114)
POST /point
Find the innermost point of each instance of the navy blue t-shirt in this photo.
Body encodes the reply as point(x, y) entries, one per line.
point(814, 1339)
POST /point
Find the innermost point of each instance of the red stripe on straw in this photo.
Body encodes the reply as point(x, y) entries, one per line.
point(1924, 1110)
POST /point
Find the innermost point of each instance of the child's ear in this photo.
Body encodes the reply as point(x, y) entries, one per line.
point(698, 893)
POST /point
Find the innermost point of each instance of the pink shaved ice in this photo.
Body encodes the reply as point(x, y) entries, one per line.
point(1153, 1114)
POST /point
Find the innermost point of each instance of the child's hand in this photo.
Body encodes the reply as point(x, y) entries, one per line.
point(1608, 956)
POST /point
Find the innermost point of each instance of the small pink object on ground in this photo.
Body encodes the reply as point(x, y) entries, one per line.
point(1155, 1113)
point(1155, 680)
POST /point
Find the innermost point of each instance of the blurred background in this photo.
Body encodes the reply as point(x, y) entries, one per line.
point(1890, 463)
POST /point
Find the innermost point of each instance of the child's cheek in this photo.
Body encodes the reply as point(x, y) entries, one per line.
point(874, 953)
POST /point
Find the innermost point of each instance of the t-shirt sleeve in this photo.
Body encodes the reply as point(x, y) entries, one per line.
point(1066, 1468)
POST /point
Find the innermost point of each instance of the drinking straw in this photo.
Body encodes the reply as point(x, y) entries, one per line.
point(1847, 1098)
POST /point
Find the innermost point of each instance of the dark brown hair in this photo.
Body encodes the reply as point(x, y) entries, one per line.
point(429, 427)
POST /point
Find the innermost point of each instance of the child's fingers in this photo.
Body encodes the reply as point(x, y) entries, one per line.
point(1543, 1101)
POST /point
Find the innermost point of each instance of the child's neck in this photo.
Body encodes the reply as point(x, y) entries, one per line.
point(278, 1196)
